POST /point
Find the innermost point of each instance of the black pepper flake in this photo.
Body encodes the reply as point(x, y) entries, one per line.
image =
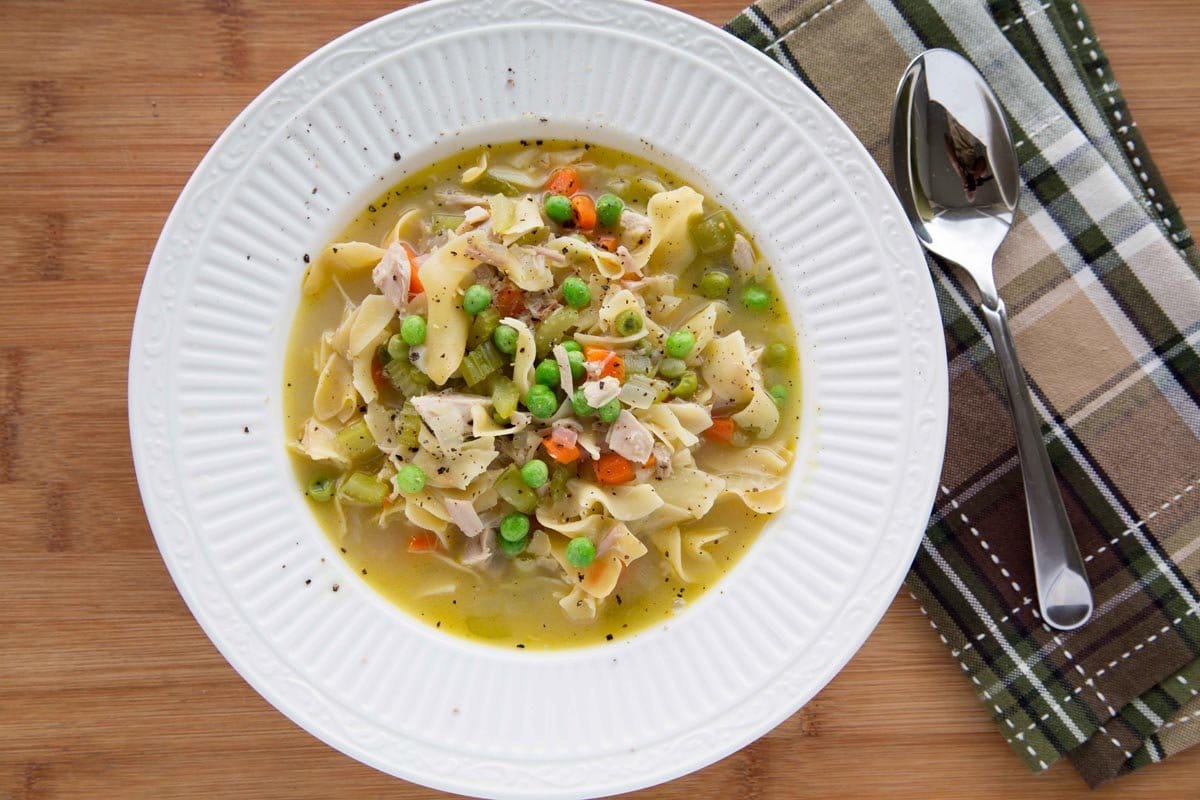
point(306, 258)
point(608, 637)
point(520, 647)
point(364, 570)
point(342, 549)
point(618, 598)
point(245, 429)
point(308, 581)
point(395, 156)
point(336, 587)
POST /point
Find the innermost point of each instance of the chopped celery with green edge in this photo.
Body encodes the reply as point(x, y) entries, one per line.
point(356, 440)
point(671, 368)
point(396, 347)
point(405, 377)
point(558, 483)
point(553, 328)
point(487, 183)
point(575, 361)
point(504, 396)
point(363, 489)
point(481, 363)
point(512, 490)
point(482, 327)
point(408, 426)
point(320, 489)
point(446, 222)
point(637, 364)
point(686, 386)
point(714, 233)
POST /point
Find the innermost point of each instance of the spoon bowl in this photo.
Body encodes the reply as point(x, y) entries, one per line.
point(959, 182)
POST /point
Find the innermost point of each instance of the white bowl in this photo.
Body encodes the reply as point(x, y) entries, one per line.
point(205, 380)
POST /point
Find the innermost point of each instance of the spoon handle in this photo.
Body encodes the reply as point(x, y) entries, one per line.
point(1064, 595)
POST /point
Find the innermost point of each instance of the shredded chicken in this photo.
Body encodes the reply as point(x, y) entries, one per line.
point(448, 415)
point(479, 549)
point(392, 276)
point(461, 199)
point(565, 380)
point(743, 256)
point(462, 513)
point(600, 392)
point(629, 438)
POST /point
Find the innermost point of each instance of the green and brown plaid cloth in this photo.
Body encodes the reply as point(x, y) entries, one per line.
point(1100, 275)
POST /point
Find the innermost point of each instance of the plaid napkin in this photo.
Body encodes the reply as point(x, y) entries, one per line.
point(1100, 277)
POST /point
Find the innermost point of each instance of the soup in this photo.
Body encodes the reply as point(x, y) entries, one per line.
point(542, 394)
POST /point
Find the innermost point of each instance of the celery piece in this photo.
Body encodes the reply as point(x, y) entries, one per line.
point(487, 183)
point(405, 376)
point(504, 397)
point(481, 362)
point(553, 328)
point(409, 426)
point(446, 222)
point(482, 326)
point(714, 233)
point(356, 440)
point(558, 483)
point(363, 489)
point(513, 490)
point(637, 364)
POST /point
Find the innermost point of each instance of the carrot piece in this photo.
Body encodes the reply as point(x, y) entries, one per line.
point(720, 431)
point(510, 301)
point(614, 367)
point(422, 543)
point(593, 353)
point(613, 468)
point(377, 374)
point(584, 211)
point(651, 463)
point(562, 453)
point(414, 280)
point(563, 181)
point(608, 243)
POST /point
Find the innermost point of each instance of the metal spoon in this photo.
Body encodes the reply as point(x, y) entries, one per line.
point(958, 180)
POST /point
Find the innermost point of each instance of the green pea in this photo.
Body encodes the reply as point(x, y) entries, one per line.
point(321, 489)
point(779, 394)
point(412, 330)
point(410, 479)
point(572, 346)
point(476, 299)
point(557, 208)
point(580, 552)
point(609, 411)
point(628, 322)
point(540, 401)
point(777, 354)
point(672, 368)
point(547, 373)
point(514, 527)
point(575, 359)
point(535, 474)
point(579, 404)
point(608, 209)
point(576, 292)
point(714, 233)
point(756, 298)
point(505, 339)
point(686, 386)
point(715, 284)
point(514, 548)
point(396, 347)
point(680, 343)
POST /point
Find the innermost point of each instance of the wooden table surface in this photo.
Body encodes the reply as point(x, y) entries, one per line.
point(108, 687)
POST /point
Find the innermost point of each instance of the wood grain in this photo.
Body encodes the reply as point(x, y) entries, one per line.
point(108, 688)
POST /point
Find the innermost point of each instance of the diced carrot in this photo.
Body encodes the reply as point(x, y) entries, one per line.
point(422, 543)
point(414, 280)
point(631, 276)
point(563, 181)
point(608, 243)
point(562, 453)
point(377, 372)
point(651, 463)
point(720, 431)
point(584, 212)
point(593, 353)
point(614, 367)
point(613, 468)
point(510, 301)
